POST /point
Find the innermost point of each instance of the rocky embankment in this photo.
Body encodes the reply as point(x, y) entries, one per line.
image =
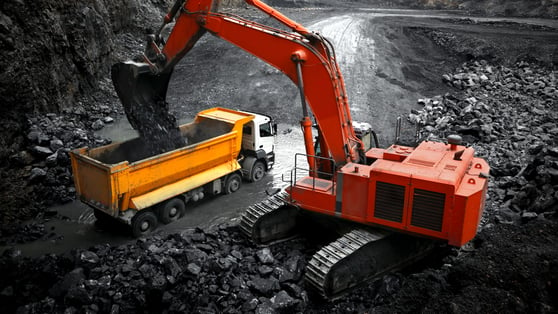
point(510, 115)
point(55, 58)
point(507, 113)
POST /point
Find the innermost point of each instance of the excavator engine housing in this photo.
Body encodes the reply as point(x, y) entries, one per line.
point(435, 190)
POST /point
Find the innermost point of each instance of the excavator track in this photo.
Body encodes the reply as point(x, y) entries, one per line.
point(358, 256)
point(269, 220)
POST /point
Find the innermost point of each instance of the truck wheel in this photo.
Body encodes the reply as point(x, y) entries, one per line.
point(171, 210)
point(258, 171)
point(143, 223)
point(233, 183)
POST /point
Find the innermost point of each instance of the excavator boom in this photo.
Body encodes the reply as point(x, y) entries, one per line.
point(306, 58)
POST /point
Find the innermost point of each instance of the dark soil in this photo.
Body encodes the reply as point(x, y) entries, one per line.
point(58, 93)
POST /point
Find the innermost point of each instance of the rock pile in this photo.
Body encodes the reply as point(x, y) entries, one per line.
point(213, 271)
point(42, 169)
point(510, 115)
point(47, 66)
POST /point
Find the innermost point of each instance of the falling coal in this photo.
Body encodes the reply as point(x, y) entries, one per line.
point(143, 94)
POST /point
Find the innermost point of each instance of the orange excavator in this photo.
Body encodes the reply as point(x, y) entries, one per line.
point(396, 201)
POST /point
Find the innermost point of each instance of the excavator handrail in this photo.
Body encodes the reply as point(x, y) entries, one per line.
point(314, 173)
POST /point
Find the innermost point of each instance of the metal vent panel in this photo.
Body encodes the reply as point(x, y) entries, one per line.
point(390, 199)
point(428, 209)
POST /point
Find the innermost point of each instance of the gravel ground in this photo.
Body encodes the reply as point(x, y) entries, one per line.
point(500, 98)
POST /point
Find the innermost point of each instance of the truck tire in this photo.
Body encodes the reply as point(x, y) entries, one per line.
point(143, 223)
point(233, 183)
point(171, 210)
point(257, 172)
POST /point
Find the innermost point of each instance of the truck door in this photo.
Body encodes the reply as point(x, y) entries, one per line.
point(248, 141)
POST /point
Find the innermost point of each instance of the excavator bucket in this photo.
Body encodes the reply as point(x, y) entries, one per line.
point(140, 90)
point(143, 94)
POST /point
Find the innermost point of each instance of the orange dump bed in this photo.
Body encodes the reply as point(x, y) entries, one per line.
point(119, 176)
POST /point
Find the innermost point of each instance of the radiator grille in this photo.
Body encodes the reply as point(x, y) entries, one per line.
point(390, 199)
point(428, 209)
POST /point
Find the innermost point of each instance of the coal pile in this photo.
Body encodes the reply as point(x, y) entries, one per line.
point(54, 64)
point(211, 271)
point(42, 164)
point(157, 127)
point(507, 112)
point(510, 115)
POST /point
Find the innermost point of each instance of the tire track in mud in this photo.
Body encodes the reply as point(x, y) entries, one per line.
point(376, 89)
point(355, 52)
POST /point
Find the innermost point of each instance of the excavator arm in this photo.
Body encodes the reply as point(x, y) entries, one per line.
point(305, 57)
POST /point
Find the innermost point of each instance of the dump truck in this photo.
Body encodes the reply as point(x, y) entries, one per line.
point(123, 181)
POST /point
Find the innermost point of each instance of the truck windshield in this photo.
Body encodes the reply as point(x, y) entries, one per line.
point(265, 130)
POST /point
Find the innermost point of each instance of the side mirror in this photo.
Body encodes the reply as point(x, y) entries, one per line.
point(274, 126)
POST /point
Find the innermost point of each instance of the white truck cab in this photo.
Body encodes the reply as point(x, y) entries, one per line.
point(258, 144)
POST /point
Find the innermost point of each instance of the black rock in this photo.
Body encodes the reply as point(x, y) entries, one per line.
point(171, 267)
point(193, 269)
point(42, 151)
point(22, 158)
point(250, 305)
point(295, 290)
point(265, 308)
point(265, 270)
point(283, 301)
point(77, 296)
point(265, 286)
point(283, 275)
point(71, 279)
point(56, 144)
point(265, 256)
point(88, 257)
point(528, 216)
point(196, 255)
point(157, 282)
point(37, 175)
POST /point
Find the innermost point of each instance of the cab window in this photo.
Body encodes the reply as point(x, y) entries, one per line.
point(265, 130)
point(247, 129)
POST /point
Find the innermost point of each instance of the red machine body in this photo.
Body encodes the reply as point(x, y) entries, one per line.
point(423, 191)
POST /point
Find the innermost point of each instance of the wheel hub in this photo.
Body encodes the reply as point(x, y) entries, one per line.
point(144, 226)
